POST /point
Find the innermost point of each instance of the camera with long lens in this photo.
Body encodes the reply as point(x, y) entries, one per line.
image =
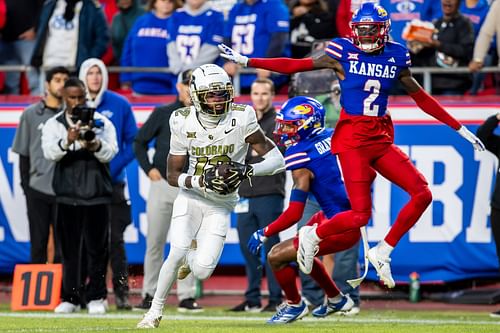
point(85, 115)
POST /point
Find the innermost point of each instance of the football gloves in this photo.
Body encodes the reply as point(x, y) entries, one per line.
point(226, 178)
point(231, 55)
point(467, 135)
point(256, 241)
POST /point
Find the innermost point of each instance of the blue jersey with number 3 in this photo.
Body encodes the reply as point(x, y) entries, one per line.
point(368, 77)
point(313, 153)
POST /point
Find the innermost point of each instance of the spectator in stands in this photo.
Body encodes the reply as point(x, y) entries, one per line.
point(260, 204)
point(161, 198)
point(37, 172)
point(118, 110)
point(129, 11)
point(149, 33)
point(401, 13)
point(82, 184)
point(485, 133)
point(490, 27)
point(476, 11)
point(194, 31)
point(331, 103)
point(345, 9)
point(450, 47)
point(310, 20)
point(70, 31)
point(257, 28)
point(18, 40)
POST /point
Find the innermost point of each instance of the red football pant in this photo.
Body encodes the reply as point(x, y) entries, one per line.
point(358, 168)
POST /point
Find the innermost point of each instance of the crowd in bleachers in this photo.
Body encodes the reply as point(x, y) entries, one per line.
point(182, 35)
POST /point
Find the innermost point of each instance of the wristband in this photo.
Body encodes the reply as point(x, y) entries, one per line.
point(195, 182)
point(181, 181)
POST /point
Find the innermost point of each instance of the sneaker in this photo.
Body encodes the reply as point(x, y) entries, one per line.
point(270, 307)
point(122, 303)
point(185, 270)
point(345, 304)
point(495, 314)
point(67, 307)
point(308, 248)
point(97, 306)
point(246, 307)
point(189, 305)
point(151, 319)
point(382, 266)
point(288, 313)
point(145, 303)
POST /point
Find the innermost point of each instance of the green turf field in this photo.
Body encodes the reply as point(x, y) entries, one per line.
point(219, 321)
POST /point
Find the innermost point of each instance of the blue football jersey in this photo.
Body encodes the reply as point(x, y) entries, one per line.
point(327, 186)
point(249, 27)
point(191, 32)
point(368, 77)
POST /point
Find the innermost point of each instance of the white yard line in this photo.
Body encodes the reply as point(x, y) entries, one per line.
point(360, 320)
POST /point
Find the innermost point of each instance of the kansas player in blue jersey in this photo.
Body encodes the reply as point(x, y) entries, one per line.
point(367, 65)
point(300, 127)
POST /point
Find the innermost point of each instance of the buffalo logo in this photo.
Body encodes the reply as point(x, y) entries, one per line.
point(191, 135)
point(303, 109)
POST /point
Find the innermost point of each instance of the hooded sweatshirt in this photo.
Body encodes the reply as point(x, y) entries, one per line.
point(119, 111)
point(121, 25)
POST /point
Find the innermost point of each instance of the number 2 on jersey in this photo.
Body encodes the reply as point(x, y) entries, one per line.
point(369, 108)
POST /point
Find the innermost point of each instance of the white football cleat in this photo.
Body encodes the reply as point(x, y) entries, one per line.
point(382, 266)
point(97, 306)
point(308, 248)
point(67, 307)
point(151, 319)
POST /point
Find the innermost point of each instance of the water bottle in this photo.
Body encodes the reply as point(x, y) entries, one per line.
point(414, 290)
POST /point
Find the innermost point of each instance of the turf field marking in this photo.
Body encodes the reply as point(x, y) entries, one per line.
point(360, 320)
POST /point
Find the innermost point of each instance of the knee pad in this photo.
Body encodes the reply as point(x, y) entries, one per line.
point(201, 272)
point(423, 197)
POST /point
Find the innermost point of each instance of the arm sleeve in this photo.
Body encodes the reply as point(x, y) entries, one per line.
point(22, 137)
point(432, 107)
point(24, 170)
point(464, 48)
point(288, 218)
point(486, 135)
point(208, 54)
point(282, 65)
point(52, 136)
point(126, 58)
point(145, 134)
point(177, 145)
point(174, 60)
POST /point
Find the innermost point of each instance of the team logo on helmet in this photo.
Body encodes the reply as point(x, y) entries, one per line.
point(303, 109)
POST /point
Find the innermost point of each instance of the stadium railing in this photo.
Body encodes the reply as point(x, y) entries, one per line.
point(425, 71)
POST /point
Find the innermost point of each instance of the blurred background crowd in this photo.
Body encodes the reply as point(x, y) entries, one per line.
point(172, 36)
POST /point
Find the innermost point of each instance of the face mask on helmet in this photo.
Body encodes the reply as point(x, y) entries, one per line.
point(298, 118)
point(370, 27)
point(211, 90)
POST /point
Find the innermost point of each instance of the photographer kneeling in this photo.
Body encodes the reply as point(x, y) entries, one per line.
point(81, 143)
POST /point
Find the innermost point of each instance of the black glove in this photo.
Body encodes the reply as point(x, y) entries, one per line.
point(236, 173)
point(212, 181)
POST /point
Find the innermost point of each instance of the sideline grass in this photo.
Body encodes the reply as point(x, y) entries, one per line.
point(214, 320)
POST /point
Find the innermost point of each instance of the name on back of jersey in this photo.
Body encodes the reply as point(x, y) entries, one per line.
point(323, 146)
point(369, 69)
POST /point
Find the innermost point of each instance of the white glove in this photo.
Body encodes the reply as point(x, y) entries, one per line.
point(231, 55)
point(467, 135)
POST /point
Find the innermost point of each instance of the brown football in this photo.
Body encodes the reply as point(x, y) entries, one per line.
point(222, 171)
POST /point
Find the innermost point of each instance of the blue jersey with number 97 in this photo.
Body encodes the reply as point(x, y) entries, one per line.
point(368, 77)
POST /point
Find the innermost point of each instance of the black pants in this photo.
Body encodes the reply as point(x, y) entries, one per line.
point(78, 227)
point(41, 215)
point(120, 219)
point(495, 228)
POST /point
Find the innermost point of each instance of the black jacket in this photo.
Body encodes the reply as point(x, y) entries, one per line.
point(492, 143)
point(263, 185)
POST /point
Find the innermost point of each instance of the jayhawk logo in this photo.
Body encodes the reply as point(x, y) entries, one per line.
point(303, 109)
point(381, 11)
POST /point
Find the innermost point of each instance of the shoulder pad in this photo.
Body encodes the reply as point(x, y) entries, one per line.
point(183, 111)
point(238, 107)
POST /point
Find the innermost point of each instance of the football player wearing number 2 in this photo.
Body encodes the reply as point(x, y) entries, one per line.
point(212, 131)
point(367, 65)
